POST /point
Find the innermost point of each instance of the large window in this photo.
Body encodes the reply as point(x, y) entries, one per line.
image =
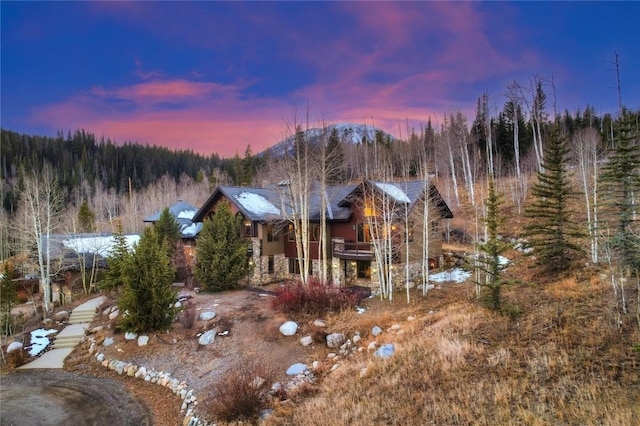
point(294, 266)
point(364, 269)
point(314, 232)
point(364, 234)
point(291, 232)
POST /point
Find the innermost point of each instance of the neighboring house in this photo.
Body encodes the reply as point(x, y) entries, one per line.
point(349, 213)
point(183, 213)
point(71, 254)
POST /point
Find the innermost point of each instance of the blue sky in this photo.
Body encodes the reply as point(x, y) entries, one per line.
point(217, 76)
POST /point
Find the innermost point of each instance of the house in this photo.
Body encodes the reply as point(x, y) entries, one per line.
point(183, 213)
point(353, 227)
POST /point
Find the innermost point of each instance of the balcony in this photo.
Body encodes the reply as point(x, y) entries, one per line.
point(351, 250)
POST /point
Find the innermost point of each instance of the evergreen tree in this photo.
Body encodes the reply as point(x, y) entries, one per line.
point(168, 229)
point(117, 261)
point(148, 298)
point(491, 262)
point(553, 232)
point(86, 218)
point(222, 251)
point(621, 187)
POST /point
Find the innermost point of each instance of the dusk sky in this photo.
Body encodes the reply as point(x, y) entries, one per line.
point(217, 76)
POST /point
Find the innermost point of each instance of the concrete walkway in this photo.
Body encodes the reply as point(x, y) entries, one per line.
point(69, 337)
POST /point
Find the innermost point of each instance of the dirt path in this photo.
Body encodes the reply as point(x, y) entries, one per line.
point(46, 397)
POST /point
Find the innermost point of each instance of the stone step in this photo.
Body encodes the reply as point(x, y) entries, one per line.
point(63, 345)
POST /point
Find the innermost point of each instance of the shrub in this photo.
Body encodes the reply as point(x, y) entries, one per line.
point(240, 394)
point(314, 298)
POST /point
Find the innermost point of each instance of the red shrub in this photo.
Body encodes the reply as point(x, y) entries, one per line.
point(315, 298)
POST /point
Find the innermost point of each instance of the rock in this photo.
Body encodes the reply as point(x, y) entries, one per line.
point(14, 347)
point(296, 369)
point(108, 341)
point(334, 340)
point(375, 331)
point(363, 372)
point(315, 365)
point(265, 414)
point(107, 311)
point(289, 328)
point(96, 329)
point(319, 323)
point(372, 346)
point(411, 318)
point(113, 315)
point(177, 305)
point(206, 316)
point(331, 355)
point(143, 340)
point(356, 338)
point(306, 340)
point(207, 337)
point(61, 316)
point(100, 357)
point(385, 351)
point(395, 327)
point(130, 335)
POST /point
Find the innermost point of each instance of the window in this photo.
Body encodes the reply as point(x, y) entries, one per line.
point(272, 233)
point(369, 208)
point(271, 267)
point(364, 269)
point(314, 232)
point(294, 267)
point(409, 234)
point(291, 232)
point(363, 233)
point(435, 226)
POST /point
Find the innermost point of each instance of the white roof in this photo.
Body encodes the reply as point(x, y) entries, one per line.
point(393, 191)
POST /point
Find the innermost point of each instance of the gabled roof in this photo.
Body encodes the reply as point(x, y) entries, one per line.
point(406, 193)
point(266, 204)
point(183, 213)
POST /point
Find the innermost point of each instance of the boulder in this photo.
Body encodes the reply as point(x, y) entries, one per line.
point(143, 340)
point(207, 337)
point(375, 331)
point(14, 347)
point(385, 351)
point(306, 340)
point(206, 316)
point(334, 340)
point(130, 335)
point(296, 369)
point(62, 316)
point(113, 315)
point(289, 328)
point(320, 323)
point(108, 341)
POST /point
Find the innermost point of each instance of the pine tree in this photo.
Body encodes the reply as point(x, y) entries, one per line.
point(222, 251)
point(553, 232)
point(621, 187)
point(86, 218)
point(148, 298)
point(116, 261)
point(491, 262)
point(168, 229)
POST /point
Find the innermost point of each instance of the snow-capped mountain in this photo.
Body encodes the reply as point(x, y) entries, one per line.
point(350, 133)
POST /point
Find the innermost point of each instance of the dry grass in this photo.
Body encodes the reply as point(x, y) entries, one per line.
point(564, 361)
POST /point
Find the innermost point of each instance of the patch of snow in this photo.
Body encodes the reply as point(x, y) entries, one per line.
point(393, 191)
point(458, 275)
point(187, 214)
point(192, 229)
point(256, 204)
point(39, 340)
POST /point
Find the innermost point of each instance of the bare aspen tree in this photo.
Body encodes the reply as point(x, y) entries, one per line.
point(41, 206)
point(447, 136)
point(585, 150)
point(514, 97)
point(458, 126)
point(296, 191)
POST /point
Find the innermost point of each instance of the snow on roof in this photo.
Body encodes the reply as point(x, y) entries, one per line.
point(186, 214)
point(393, 191)
point(102, 245)
point(256, 204)
point(191, 230)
